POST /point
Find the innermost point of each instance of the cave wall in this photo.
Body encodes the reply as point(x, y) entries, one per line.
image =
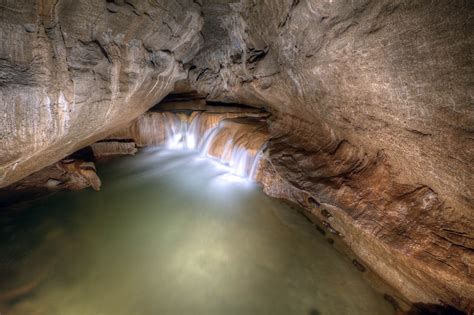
point(73, 71)
point(384, 75)
point(372, 116)
point(371, 104)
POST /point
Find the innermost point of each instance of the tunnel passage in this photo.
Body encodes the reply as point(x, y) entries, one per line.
point(369, 126)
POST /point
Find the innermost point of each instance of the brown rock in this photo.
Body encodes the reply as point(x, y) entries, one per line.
point(66, 174)
point(370, 115)
point(371, 108)
point(107, 148)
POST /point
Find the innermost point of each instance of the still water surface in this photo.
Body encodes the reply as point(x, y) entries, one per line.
point(172, 233)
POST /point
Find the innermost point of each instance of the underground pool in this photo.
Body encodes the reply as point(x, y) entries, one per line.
point(172, 232)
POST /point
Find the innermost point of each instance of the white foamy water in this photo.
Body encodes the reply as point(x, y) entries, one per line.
point(184, 135)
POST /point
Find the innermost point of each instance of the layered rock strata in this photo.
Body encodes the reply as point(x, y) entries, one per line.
point(246, 133)
point(371, 107)
point(66, 174)
point(73, 71)
point(371, 116)
point(153, 128)
point(108, 148)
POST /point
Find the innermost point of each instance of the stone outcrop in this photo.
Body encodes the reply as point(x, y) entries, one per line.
point(371, 108)
point(410, 241)
point(371, 115)
point(107, 148)
point(73, 71)
point(66, 174)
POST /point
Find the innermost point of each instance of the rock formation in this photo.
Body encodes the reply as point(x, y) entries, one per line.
point(71, 174)
point(371, 116)
point(371, 108)
point(153, 128)
point(72, 71)
point(107, 148)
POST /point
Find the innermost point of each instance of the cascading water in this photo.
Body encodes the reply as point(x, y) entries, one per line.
point(227, 141)
point(256, 164)
point(176, 134)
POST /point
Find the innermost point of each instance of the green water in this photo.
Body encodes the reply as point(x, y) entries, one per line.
point(171, 233)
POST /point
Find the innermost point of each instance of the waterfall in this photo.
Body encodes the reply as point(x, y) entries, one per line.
point(256, 164)
point(232, 142)
point(176, 132)
point(233, 138)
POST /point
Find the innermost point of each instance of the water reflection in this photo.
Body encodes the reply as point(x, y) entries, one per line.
point(172, 233)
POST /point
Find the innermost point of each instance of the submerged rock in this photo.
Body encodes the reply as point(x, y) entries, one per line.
point(80, 174)
point(66, 174)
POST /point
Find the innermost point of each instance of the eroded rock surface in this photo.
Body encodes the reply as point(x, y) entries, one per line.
point(66, 174)
point(154, 128)
point(371, 104)
point(371, 114)
point(72, 71)
point(246, 133)
point(108, 148)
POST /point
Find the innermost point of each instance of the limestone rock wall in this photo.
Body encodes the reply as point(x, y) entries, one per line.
point(73, 71)
point(371, 104)
point(371, 73)
point(372, 114)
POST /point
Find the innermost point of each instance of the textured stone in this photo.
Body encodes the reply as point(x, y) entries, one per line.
point(66, 174)
point(107, 148)
point(72, 71)
point(152, 127)
point(248, 134)
point(371, 105)
point(371, 115)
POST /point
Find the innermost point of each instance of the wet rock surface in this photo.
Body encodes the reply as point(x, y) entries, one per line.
point(371, 116)
point(371, 109)
point(154, 127)
point(421, 257)
point(108, 148)
point(66, 174)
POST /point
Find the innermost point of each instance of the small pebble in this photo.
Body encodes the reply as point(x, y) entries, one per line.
point(30, 28)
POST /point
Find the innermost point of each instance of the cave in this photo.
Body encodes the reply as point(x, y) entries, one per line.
point(236, 157)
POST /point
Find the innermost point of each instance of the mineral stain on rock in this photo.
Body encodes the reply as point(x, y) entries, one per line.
point(358, 113)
